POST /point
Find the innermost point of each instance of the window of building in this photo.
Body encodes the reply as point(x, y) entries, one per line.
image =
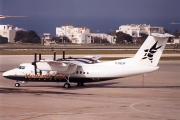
point(4, 33)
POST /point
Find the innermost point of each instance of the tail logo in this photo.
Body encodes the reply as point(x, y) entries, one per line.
point(150, 52)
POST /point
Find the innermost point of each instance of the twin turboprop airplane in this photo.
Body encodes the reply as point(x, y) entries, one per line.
point(89, 68)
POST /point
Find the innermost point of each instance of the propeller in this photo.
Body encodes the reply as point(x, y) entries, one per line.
point(54, 55)
point(63, 55)
point(39, 56)
point(40, 60)
point(34, 63)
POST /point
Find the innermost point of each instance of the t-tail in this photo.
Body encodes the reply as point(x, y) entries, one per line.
point(152, 49)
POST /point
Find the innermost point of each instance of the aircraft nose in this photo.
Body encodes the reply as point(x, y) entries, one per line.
point(5, 74)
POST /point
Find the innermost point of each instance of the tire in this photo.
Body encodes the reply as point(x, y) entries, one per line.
point(67, 85)
point(17, 85)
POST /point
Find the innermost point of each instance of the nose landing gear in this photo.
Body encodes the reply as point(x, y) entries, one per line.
point(17, 85)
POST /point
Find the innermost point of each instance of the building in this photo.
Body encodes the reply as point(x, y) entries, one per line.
point(9, 32)
point(47, 39)
point(174, 41)
point(81, 35)
point(135, 30)
point(76, 35)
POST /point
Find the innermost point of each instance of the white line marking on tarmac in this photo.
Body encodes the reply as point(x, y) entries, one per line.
point(134, 104)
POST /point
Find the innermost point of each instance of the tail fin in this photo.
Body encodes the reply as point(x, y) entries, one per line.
point(152, 49)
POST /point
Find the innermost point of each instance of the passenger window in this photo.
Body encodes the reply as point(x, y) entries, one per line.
point(77, 72)
point(80, 72)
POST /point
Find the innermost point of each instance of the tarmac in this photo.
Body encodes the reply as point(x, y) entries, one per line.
point(119, 99)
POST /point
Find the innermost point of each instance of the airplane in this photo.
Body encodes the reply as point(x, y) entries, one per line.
point(89, 68)
point(6, 16)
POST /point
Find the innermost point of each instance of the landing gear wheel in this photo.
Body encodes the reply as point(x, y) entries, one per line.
point(67, 85)
point(17, 85)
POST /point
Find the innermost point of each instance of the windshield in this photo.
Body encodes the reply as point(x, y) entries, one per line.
point(21, 67)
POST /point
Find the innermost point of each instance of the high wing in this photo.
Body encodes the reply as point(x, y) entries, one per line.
point(59, 66)
point(67, 66)
point(93, 57)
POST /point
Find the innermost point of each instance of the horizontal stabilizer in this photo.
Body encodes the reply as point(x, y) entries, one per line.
point(166, 35)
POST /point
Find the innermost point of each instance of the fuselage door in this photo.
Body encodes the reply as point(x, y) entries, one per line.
point(96, 73)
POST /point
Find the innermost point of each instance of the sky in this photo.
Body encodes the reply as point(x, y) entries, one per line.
point(43, 16)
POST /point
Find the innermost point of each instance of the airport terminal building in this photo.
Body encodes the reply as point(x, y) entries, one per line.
point(81, 35)
point(135, 30)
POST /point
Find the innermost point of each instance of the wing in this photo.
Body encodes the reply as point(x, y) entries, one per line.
point(93, 57)
point(59, 66)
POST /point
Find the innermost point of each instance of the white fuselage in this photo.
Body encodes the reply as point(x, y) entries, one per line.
point(96, 72)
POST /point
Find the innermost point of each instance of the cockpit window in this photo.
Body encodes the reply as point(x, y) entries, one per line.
point(21, 67)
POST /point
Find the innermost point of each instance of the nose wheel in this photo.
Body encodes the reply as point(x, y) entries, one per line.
point(67, 85)
point(17, 85)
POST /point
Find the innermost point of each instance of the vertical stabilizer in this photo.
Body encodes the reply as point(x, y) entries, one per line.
point(151, 50)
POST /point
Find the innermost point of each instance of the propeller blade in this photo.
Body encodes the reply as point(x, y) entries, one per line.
point(39, 60)
point(35, 57)
point(63, 55)
point(35, 66)
point(54, 55)
point(39, 56)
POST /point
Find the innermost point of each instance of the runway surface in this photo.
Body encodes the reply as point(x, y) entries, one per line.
point(123, 99)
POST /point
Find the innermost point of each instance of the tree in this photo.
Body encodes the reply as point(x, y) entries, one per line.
point(20, 36)
point(123, 38)
point(3, 40)
point(66, 39)
point(143, 36)
point(176, 33)
point(57, 39)
point(166, 31)
point(27, 37)
point(100, 40)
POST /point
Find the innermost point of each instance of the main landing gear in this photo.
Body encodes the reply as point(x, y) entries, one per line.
point(67, 85)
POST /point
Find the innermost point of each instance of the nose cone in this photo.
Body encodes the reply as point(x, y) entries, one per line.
point(5, 74)
point(8, 74)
